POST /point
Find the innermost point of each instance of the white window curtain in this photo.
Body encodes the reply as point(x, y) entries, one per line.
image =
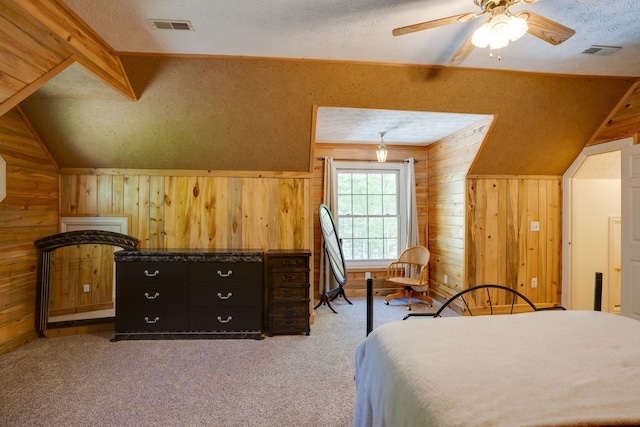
point(329, 199)
point(412, 237)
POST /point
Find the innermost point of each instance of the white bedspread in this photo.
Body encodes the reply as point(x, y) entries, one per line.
point(532, 369)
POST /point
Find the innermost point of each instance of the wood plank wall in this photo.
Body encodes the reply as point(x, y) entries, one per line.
point(502, 249)
point(479, 227)
point(188, 210)
point(449, 163)
point(356, 284)
point(185, 210)
point(29, 212)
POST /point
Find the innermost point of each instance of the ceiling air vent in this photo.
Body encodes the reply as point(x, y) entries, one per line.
point(168, 24)
point(602, 50)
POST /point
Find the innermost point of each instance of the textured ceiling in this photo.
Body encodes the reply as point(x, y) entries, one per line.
point(352, 125)
point(360, 30)
point(203, 106)
point(600, 166)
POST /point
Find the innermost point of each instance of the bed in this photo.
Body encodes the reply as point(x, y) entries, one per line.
point(544, 368)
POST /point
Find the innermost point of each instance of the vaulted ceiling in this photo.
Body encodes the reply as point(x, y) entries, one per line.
point(361, 30)
point(243, 97)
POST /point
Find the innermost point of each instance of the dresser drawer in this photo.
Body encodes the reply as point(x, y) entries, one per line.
point(224, 319)
point(281, 325)
point(154, 319)
point(225, 295)
point(289, 277)
point(290, 308)
point(152, 295)
point(151, 272)
point(225, 272)
point(288, 262)
point(289, 293)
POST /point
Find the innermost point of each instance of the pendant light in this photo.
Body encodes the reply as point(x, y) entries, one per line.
point(382, 149)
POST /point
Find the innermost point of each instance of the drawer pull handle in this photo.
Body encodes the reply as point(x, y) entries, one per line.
point(146, 319)
point(289, 278)
point(227, 274)
point(289, 262)
point(289, 294)
point(154, 274)
point(228, 319)
point(146, 294)
point(229, 295)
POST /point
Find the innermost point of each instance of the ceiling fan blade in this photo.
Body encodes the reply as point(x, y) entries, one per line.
point(546, 29)
point(462, 53)
point(435, 23)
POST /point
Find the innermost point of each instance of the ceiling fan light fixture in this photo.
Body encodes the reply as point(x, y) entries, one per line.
point(499, 30)
point(381, 152)
point(517, 27)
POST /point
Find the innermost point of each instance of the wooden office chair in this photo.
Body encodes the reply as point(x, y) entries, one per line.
point(411, 271)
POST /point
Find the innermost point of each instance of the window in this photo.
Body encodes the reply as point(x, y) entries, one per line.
point(370, 211)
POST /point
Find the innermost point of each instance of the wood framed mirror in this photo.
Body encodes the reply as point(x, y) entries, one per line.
point(78, 249)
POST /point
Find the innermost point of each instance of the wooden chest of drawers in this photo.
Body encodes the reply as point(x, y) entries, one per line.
point(287, 292)
point(185, 294)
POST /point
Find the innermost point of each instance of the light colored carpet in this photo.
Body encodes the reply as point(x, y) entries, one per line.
point(86, 380)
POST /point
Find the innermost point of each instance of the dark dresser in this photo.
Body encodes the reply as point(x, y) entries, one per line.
point(182, 293)
point(287, 292)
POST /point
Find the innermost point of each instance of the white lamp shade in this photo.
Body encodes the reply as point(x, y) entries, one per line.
point(481, 36)
point(517, 28)
point(382, 154)
point(497, 32)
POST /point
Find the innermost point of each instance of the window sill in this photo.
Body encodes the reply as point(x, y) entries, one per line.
point(365, 269)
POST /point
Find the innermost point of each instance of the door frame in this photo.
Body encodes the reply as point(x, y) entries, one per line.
point(567, 214)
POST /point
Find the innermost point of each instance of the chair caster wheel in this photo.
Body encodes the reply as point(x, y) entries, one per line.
point(408, 308)
point(386, 303)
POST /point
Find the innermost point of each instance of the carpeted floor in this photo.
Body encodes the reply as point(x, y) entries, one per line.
point(86, 380)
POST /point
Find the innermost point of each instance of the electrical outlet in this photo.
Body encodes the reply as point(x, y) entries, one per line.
point(86, 288)
point(534, 282)
point(535, 226)
point(446, 279)
point(367, 275)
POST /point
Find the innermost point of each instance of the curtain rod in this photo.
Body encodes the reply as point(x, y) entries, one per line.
point(366, 161)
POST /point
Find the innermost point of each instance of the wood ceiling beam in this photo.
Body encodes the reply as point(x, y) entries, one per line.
point(27, 90)
point(624, 120)
point(42, 31)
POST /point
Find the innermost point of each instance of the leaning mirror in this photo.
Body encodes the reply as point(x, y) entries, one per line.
point(333, 249)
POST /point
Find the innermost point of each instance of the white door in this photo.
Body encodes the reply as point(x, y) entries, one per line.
point(630, 287)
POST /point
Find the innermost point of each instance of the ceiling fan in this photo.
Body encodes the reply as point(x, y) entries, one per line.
point(501, 27)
